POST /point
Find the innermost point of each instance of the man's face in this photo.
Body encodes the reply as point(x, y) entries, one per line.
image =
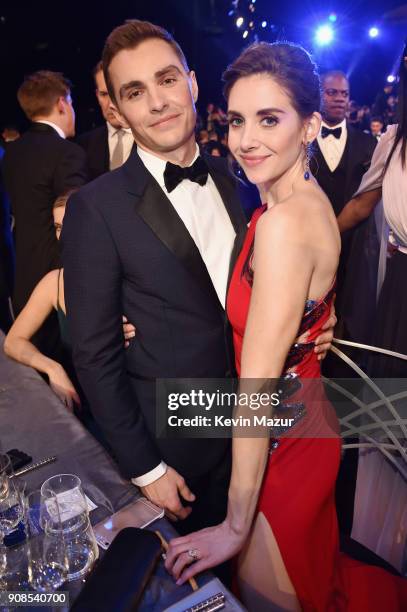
point(155, 96)
point(104, 100)
point(335, 99)
point(376, 127)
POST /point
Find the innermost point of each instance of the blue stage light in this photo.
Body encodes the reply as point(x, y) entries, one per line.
point(324, 35)
point(373, 32)
point(332, 17)
point(245, 34)
point(391, 78)
point(239, 21)
point(263, 24)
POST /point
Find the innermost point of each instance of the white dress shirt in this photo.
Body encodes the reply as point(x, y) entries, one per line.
point(112, 139)
point(55, 126)
point(332, 148)
point(203, 213)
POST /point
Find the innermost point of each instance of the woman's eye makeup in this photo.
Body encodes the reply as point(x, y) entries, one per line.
point(235, 121)
point(269, 121)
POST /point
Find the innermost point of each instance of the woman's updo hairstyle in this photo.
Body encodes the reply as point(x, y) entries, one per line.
point(288, 64)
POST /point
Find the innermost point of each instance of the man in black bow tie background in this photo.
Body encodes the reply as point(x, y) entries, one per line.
point(341, 157)
point(155, 239)
point(342, 153)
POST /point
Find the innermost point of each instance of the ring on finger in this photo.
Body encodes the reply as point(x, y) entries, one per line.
point(194, 554)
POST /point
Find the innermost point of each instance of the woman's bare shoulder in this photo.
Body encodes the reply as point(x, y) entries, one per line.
point(48, 286)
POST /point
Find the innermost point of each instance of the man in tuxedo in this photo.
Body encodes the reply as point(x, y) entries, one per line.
point(107, 147)
point(162, 254)
point(37, 168)
point(341, 157)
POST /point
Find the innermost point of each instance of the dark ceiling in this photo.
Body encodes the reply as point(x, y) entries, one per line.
point(68, 36)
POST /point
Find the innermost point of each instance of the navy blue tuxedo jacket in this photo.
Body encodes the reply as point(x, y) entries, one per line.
point(126, 251)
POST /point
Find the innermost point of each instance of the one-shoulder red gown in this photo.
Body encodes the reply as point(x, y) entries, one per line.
point(298, 491)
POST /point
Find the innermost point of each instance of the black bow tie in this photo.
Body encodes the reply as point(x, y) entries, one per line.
point(335, 132)
point(197, 173)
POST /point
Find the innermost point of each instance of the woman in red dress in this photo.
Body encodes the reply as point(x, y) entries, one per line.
point(281, 517)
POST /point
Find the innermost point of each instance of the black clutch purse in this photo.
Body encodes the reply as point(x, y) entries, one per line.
point(118, 581)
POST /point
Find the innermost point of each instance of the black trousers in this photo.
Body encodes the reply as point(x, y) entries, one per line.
point(211, 491)
point(210, 506)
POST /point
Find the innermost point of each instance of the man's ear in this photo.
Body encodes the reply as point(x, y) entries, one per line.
point(194, 85)
point(118, 115)
point(61, 105)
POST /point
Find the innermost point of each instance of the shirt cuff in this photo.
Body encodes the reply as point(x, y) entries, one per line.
point(151, 476)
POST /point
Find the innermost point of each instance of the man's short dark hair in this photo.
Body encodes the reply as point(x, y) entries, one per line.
point(129, 36)
point(39, 92)
point(97, 68)
point(332, 73)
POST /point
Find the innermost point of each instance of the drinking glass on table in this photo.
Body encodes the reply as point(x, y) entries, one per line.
point(11, 514)
point(47, 554)
point(11, 498)
point(82, 549)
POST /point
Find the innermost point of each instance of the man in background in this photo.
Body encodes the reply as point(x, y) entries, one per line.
point(376, 127)
point(341, 157)
point(39, 166)
point(108, 146)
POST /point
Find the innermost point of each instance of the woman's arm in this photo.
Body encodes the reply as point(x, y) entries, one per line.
point(280, 290)
point(358, 209)
point(18, 346)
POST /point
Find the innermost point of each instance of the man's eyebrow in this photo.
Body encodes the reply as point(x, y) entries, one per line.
point(139, 84)
point(169, 68)
point(126, 86)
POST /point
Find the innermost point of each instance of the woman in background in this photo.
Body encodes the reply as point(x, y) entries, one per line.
point(47, 296)
point(387, 179)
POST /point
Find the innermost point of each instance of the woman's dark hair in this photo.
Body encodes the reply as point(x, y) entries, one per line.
point(288, 64)
point(401, 133)
point(293, 69)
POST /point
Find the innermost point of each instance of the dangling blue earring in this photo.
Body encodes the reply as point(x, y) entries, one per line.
point(307, 172)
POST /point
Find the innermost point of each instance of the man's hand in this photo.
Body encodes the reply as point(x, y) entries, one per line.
point(324, 341)
point(165, 493)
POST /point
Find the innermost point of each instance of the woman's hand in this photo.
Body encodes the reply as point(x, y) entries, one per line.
point(201, 550)
point(129, 331)
point(61, 385)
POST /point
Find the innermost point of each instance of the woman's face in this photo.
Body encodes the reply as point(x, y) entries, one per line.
point(266, 134)
point(58, 214)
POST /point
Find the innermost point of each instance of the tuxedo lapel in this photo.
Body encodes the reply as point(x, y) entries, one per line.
point(228, 192)
point(353, 157)
point(156, 210)
point(318, 162)
point(100, 150)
